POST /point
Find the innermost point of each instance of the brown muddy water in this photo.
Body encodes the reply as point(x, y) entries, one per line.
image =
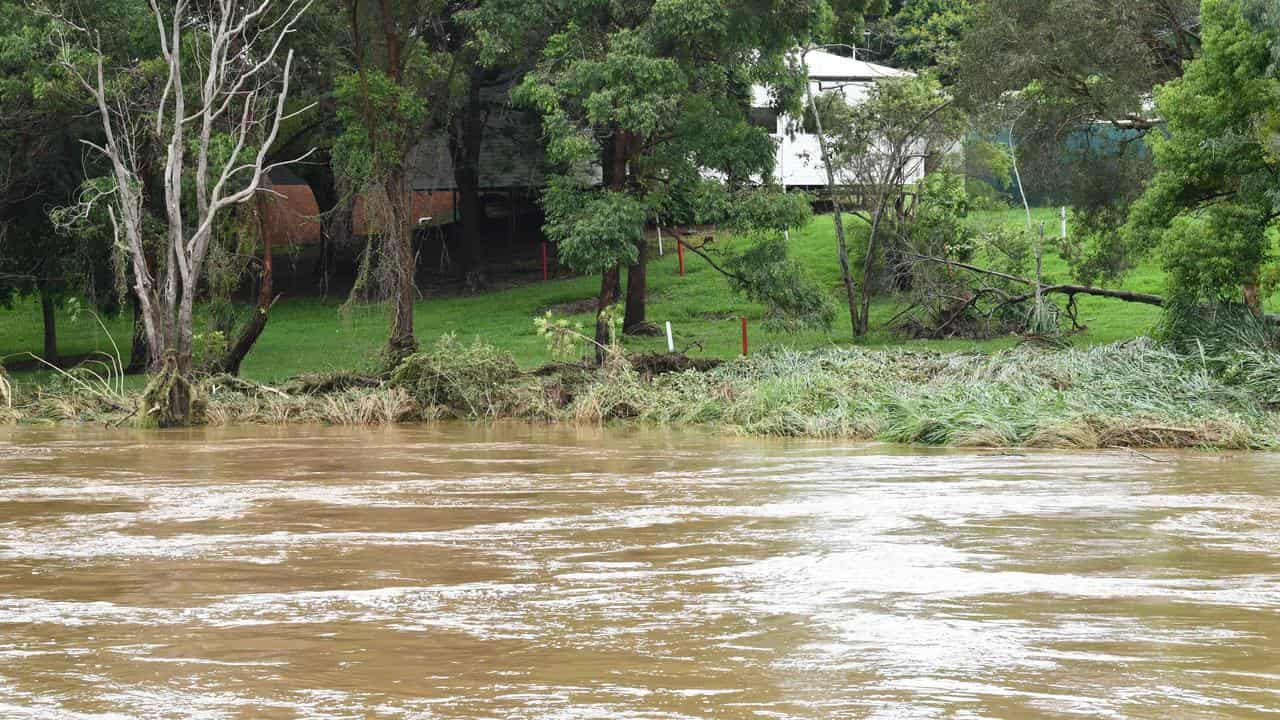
point(515, 572)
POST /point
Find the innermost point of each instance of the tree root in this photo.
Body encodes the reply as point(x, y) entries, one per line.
point(171, 399)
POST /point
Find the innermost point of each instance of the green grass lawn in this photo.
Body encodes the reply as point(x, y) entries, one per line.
point(308, 334)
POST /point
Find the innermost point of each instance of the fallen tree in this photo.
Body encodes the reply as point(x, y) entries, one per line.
point(1046, 289)
point(1003, 300)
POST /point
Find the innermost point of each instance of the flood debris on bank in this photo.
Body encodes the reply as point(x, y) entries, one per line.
point(1136, 394)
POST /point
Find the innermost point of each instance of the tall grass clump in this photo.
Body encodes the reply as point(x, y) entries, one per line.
point(92, 390)
point(476, 380)
point(1239, 346)
point(332, 400)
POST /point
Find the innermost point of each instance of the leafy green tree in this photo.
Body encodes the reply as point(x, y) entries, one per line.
point(1212, 203)
point(243, 243)
point(384, 110)
point(925, 35)
point(654, 93)
point(42, 117)
point(1070, 83)
point(493, 43)
point(420, 67)
point(849, 22)
point(1091, 60)
point(1264, 15)
point(39, 156)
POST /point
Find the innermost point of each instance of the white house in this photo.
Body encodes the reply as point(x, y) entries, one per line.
point(799, 162)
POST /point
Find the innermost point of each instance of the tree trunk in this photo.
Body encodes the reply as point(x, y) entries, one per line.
point(169, 400)
point(157, 336)
point(637, 288)
point(842, 247)
point(608, 296)
point(258, 322)
point(335, 221)
point(617, 153)
point(184, 347)
point(401, 342)
point(863, 321)
point(846, 274)
point(48, 309)
point(138, 349)
point(467, 139)
point(1253, 298)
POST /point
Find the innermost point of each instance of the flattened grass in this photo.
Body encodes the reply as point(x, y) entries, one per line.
point(1132, 394)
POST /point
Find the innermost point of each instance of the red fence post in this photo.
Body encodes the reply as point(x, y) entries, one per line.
point(744, 337)
point(545, 276)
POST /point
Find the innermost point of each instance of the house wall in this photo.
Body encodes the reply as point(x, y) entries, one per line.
point(799, 155)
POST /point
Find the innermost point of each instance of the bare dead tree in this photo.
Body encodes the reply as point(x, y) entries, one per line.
point(220, 110)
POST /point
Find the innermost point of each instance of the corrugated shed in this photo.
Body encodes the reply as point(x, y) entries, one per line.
point(291, 215)
point(435, 205)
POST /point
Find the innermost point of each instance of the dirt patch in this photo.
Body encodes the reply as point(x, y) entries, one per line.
point(573, 307)
point(650, 364)
point(644, 329)
point(645, 363)
point(326, 383)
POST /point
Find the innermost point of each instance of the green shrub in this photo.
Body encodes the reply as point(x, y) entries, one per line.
point(985, 198)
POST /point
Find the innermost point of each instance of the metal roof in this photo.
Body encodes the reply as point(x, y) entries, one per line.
point(829, 66)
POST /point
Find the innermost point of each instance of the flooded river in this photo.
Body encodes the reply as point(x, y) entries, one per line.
point(513, 572)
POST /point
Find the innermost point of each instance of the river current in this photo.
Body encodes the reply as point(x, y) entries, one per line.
point(517, 572)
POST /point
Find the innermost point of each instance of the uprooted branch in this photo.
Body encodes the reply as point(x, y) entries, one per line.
point(1068, 289)
point(1045, 289)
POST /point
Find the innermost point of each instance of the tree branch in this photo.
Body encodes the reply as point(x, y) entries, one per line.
point(705, 256)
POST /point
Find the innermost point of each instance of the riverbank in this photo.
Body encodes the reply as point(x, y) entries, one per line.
point(319, 335)
point(1135, 394)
